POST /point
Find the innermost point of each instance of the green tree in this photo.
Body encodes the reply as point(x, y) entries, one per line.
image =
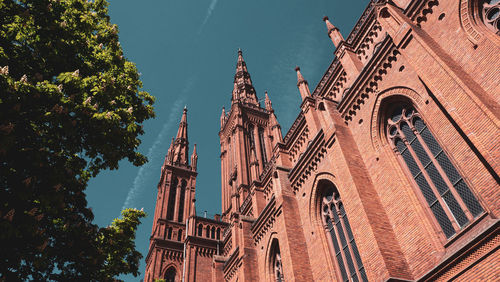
point(70, 106)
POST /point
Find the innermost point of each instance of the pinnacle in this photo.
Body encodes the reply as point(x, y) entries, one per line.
point(300, 78)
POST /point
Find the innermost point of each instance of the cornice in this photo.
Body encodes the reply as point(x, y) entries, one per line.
point(366, 83)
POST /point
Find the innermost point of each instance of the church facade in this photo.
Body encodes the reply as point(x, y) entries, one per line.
point(390, 171)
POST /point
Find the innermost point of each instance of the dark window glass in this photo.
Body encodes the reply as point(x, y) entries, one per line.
point(338, 227)
point(438, 180)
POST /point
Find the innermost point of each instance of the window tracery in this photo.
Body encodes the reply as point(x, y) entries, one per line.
point(278, 265)
point(490, 14)
point(448, 196)
point(349, 264)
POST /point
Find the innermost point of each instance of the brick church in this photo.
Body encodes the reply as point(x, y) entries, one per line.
point(390, 172)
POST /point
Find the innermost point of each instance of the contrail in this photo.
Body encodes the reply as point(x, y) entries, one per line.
point(145, 172)
point(210, 10)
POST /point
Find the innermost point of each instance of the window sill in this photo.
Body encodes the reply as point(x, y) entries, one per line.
point(479, 221)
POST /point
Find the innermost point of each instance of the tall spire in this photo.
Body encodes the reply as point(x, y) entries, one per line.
point(243, 90)
point(181, 144)
point(302, 85)
point(333, 32)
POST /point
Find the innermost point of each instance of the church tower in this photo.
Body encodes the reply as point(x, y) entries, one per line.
point(247, 136)
point(176, 192)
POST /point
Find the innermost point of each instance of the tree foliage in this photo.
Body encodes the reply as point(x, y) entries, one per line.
point(70, 106)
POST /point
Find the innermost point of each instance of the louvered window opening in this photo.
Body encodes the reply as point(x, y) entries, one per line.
point(448, 196)
point(346, 251)
point(181, 200)
point(171, 199)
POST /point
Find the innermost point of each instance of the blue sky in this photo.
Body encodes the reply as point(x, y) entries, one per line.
point(186, 51)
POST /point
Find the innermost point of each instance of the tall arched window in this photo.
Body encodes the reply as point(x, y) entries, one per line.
point(349, 264)
point(490, 14)
point(218, 234)
point(207, 232)
point(169, 233)
point(170, 275)
point(212, 233)
point(171, 199)
point(276, 263)
point(179, 235)
point(447, 194)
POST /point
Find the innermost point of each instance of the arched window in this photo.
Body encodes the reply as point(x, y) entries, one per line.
point(276, 263)
point(171, 198)
point(218, 234)
point(200, 230)
point(445, 191)
point(490, 14)
point(179, 235)
point(170, 275)
point(207, 232)
point(181, 200)
point(349, 264)
point(212, 234)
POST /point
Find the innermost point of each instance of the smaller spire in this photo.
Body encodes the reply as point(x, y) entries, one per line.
point(194, 158)
point(300, 78)
point(333, 32)
point(223, 117)
point(170, 153)
point(267, 102)
point(302, 85)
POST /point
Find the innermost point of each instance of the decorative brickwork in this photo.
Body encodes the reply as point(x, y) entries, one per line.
point(390, 171)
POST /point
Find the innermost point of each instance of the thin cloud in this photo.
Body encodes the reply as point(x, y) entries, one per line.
point(210, 10)
point(155, 151)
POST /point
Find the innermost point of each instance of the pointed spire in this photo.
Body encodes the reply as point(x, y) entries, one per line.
point(302, 85)
point(194, 158)
point(269, 105)
point(170, 153)
point(223, 117)
point(243, 90)
point(333, 32)
point(181, 144)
